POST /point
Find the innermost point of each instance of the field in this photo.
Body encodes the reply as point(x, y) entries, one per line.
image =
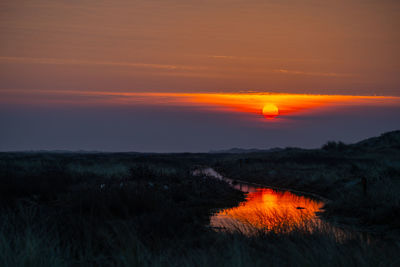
point(132, 209)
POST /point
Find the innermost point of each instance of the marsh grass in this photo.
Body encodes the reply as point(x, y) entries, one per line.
point(54, 211)
point(283, 223)
point(336, 174)
point(37, 245)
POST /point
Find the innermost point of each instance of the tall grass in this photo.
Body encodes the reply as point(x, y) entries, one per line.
point(335, 174)
point(150, 212)
point(37, 245)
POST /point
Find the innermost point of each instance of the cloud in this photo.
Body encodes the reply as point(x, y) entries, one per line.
point(166, 69)
point(325, 74)
point(62, 61)
point(223, 57)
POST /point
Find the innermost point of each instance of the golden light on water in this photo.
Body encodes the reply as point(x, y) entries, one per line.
point(270, 210)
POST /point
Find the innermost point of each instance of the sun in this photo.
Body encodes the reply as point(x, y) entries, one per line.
point(270, 111)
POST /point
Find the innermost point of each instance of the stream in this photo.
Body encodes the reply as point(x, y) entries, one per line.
point(267, 209)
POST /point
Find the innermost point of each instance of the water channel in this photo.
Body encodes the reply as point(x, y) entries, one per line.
point(267, 209)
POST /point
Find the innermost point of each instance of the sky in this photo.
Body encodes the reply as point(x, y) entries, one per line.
point(185, 75)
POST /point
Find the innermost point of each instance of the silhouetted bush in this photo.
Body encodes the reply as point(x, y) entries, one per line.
point(127, 209)
point(332, 145)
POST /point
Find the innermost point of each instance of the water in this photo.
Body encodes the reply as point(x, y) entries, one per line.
point(267, 209)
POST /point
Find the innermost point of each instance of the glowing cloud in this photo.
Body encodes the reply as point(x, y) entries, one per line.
point(268, 105)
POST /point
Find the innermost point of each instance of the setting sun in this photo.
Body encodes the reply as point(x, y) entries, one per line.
point(270, 111)
point(211, 133)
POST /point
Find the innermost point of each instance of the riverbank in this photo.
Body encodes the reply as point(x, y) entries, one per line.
point(103, 209)
point(361, 180)
point(132, 209)
point(251, 219)
point(126, 209)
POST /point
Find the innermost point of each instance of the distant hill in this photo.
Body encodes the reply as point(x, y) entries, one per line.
point(236, 150)
point(386, 141)
point(389, 140)
point(60, 151)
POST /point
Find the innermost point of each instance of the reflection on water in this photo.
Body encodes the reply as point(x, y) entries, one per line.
point(266, 209)
point(269, 210)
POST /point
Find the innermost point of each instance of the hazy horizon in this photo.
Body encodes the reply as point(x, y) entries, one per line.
point(180, 76)
point(188, 122)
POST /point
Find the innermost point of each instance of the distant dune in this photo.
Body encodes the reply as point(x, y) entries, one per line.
point(389, 140)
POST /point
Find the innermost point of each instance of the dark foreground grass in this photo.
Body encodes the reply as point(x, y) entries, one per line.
point(145, 210)
point(122, 245)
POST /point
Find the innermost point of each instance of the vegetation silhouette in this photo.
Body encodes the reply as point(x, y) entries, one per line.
point(133, 209)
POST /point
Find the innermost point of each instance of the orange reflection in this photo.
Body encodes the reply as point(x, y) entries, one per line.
point(270, 210)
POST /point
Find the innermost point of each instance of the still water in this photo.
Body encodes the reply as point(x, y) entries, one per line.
point(267, 210)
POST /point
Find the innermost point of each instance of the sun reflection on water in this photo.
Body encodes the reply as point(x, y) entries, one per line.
point(269, 210)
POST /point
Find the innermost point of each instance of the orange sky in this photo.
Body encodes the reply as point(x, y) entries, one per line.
point(186, 75)
point(251, 103)
point(322, 47)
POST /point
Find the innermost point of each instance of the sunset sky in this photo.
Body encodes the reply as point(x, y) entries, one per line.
point(184, 75)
